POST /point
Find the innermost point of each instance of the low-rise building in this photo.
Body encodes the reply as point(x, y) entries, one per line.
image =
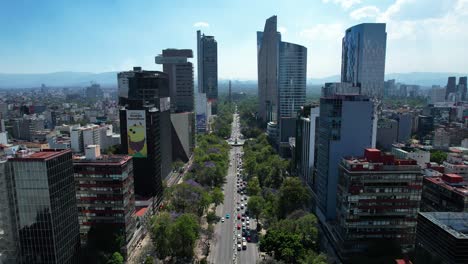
point(448, 193)
point(442, 237)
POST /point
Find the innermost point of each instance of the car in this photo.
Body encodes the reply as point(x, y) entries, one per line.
point(222, 219)
point(247, 222)
point(243, 219)
point(249, 239)
point(244, 245)
point(239, 236)
point(243, 224)
point(227, 216)
point(238, 208)
point(242, 206)
point(243, 239)
point(238, 216)
point(241, 192)
point(242, 198)
point(247, 233)
point(248, 218)
point(239, 247)
point(244, 228)
point(238, 226)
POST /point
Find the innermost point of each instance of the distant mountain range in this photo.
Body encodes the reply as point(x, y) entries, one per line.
point(109, 79)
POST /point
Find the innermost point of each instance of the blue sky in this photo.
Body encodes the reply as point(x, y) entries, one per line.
point(114, 35)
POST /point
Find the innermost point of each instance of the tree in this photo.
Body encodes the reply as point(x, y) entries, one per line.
point(149, 260)
point(116, 259)
point(177, 165)
point(285, 246)
point(253, 187)
point(184, 233)
point(217, 196)
point(211, 217)
point(292, 196)
point(255, 205)
point(438, 156)
point(161, 234)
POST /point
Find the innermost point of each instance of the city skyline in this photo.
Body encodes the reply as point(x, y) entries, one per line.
point(116, 35)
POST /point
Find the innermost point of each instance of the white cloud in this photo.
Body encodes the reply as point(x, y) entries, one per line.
point(462, 7)
point(201, 24)
point(345, 4)
point(365, 12)
point(282, 30)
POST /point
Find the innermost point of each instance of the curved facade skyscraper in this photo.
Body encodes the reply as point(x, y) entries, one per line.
point(363, 58)
point(282, 70)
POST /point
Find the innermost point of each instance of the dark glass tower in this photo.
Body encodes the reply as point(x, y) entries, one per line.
point(47, 215)
point(207, 59)
point(363, 58)
point(145, 127)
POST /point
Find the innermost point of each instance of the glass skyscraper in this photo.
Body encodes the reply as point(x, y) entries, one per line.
point(345, 128)
point(207, 60)
point(47, 215)
point(282, 70)
point(363, 58)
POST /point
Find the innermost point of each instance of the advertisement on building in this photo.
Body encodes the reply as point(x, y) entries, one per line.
point(136, 133)
point(201, 122)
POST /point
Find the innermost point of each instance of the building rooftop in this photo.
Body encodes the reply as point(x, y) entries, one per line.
point(44, 155)
point(375, 160)
point(103, 160)
point(451, 182)
point(455, 223)
point(141, 212)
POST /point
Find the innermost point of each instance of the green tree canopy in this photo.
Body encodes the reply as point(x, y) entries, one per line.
point(217, 196)
point(292, 196)
point(116, 259)
point(438, 156)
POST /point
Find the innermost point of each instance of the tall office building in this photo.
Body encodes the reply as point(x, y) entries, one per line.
point(462, 88)
point(451, 86)
point(345, 128)
point(47, 215)
point(363, 58)
point(145, 127)
point(180, 71)
point(306, 148)
point(8, 228)
point(282, 71)
point(207, 60)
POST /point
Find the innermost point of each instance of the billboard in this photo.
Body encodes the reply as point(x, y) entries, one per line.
point(136, 133)
point(201, 122)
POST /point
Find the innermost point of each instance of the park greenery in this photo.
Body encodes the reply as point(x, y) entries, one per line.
point(174, 236)
point(247, 112)
point(176, 229)
point(223, 122)
point(211, 161)
point(280, 202)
